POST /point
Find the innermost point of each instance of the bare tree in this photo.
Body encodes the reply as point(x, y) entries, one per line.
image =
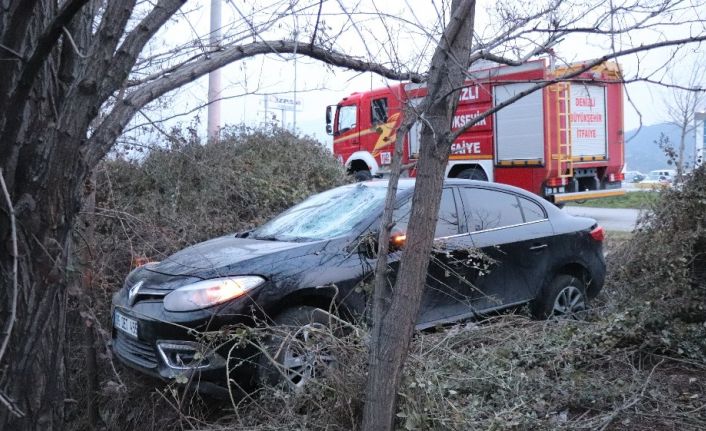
point(65, 98)
point(395, 308)
point(394, 314)
point(682, 105)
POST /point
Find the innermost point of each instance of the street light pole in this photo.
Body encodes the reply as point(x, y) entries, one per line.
point(214, 78)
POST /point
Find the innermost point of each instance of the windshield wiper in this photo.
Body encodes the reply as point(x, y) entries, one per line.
point(266, 237)
point(299, 239)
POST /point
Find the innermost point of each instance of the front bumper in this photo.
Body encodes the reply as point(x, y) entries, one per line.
point(178, 351)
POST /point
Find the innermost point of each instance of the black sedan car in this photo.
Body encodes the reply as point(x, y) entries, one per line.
point(496, 247)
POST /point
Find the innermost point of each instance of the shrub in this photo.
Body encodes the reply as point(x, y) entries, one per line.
point(189, 192)
point(635, 362)
point(151, 207)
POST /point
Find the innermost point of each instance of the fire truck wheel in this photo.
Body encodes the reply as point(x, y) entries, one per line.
point(474, 173)
point(363, 175)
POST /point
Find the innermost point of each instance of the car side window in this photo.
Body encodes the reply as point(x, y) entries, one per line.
point(400, 217)
point(531, 210)
point(490, 209)
point(447, 222)
point(378, 111)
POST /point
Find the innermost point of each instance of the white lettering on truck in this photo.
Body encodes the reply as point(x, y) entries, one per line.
point(469, 93)
point(463, 147)
point(461, 120)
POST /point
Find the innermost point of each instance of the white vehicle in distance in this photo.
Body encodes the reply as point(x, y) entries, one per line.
point(658, 179)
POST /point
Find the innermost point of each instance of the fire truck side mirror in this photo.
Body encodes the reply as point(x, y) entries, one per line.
point(329, 128)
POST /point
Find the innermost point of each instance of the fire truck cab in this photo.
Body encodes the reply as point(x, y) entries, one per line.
point(563, 142)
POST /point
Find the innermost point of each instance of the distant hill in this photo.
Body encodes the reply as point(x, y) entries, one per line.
point(642, 152)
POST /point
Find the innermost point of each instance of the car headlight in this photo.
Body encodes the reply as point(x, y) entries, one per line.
point(207, 293)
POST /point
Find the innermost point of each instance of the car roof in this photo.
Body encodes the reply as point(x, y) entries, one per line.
point(408, 184)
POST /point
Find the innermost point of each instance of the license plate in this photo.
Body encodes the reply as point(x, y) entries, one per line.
point(125, 324)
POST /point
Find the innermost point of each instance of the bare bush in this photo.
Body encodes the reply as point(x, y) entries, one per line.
point(665, 263)
point(188, 192)
point(151, 207)
point(507, 372)
point(636, 361)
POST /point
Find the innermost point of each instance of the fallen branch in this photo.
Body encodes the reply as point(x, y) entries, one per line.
point(634, 401)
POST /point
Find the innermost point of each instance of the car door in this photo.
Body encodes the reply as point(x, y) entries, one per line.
point(514, 236)
point(441, 298)
point(444, 296)
point(347, 130)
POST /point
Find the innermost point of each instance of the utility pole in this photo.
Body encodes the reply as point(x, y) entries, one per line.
point(296, 37)
point(214, 78)
point(699, 138)
point(294, 126)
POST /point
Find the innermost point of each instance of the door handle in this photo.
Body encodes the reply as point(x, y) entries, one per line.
point(537, 247)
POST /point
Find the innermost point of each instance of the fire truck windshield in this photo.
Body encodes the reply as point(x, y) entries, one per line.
point(347, 118)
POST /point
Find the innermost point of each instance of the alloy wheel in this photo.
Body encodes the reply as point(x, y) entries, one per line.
point(306, 356)
point(569, 301)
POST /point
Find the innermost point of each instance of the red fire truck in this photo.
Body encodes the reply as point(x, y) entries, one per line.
point(564, 142)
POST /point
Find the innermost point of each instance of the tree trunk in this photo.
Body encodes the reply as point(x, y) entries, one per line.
point(34, 377)
point(680, 156)
point(393, 324)
point(60, 62)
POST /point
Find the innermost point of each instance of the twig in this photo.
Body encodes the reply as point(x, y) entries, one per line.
point(73, 43)
point(7, 402)
point(7, 330)
point(12, 51)
point(633, 401)
point(316, 26)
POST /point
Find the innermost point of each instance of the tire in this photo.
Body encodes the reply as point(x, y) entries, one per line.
point(564, 297)
point(297, 347)
point(474, 173)
point(363, 175)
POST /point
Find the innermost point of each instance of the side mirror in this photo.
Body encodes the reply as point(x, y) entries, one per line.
point(368, 245)
point(329, 127)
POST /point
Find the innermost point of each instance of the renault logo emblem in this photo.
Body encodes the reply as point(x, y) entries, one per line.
point(134, 290)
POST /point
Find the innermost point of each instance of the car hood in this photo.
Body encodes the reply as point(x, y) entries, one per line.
point(228, 255)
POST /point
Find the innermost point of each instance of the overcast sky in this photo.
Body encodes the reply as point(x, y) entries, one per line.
point(247, 83)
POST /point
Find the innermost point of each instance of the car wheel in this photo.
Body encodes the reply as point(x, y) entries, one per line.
point(565, 296)
point(363, 175)
point(297, 351)
point(474, 173)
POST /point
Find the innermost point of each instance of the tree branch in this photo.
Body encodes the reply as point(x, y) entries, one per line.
point(135, 41)
point(101, 141)
point(573, 73)
point(71, 40)
point(12, 51)
point(30, 71)
point(316, 26)
point(7, 330)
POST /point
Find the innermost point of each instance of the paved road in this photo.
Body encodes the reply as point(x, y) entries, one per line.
point(621, 219)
